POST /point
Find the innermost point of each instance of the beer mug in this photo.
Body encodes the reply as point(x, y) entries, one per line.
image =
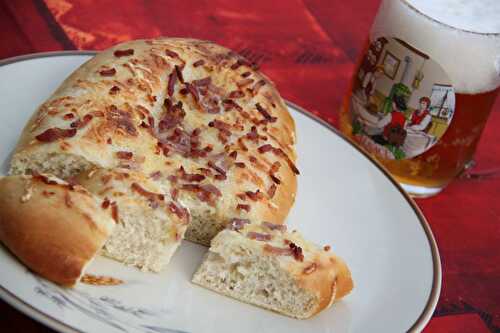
point(424, 86)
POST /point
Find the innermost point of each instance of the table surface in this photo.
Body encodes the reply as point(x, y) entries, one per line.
point(308, 48)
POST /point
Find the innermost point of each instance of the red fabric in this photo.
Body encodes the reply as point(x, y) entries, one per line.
point(309, 48)
point(417, 118)
point(397, 120)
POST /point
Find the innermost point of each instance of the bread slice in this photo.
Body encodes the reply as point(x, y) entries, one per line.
point(150, 223)
point(53, 227)
point(266, 266)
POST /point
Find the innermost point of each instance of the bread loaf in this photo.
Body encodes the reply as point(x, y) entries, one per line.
point(196, 116)
point(53, 227)
point(264, 265)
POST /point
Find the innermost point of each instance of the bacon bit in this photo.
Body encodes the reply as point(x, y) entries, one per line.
point(257, 87)
point(151, 98)
point(237, 64)
point(246, 74)
point(275, 167)
point(220, 177)
point(105, 204)
point(172, 78)
point(277, 250)
point(253, 159)
point(242, 144)
point(97, 280)
point(181, 212)
point(286, 241)
point(108, 72)
point(265, 148)
point(224, 129)
point(68, 116)
point(236, 94)
point(124, 155)
point(275, 179)
point(155, 175)
point(114, 212)
point(174, 193)
point(171, 54)
point(200, 62)
point(109, 141)
point(47, 194)
point(254, 196)
point(274, 226)
point(233, 154)
point(310, 269)
point(54, 134)
point(203, 82)
point(253, 135)
point(272, 191)
point(81, 123)
point(229, 104)
point(172, 117)
point(327, 248)
point(240, 165)
point(244, 83)
point(240, 62)
point(151, 122)
point(205, 171)
point(296, 251)
point(212, 189)
point(191, 177)
point(184, 91)
point(123, 53)
point(222, 172)
point(265, 113)
point(243, 207)
point(178, 70)
point(203, 192)
point(153, 197)
point(258, 236)
point(281, 153)
point(121, 119)
point(193, 91)
point(236, 224)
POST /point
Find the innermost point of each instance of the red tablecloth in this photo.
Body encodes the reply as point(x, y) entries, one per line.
point(308, 47)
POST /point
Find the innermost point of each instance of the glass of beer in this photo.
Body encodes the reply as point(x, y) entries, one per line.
point(423, 88)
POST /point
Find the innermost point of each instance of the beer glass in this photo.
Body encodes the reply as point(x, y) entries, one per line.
point(423, 88)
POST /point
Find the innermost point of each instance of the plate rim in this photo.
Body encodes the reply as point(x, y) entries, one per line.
point(417, 326)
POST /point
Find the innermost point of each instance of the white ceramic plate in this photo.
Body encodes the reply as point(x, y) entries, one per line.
point(344, 199)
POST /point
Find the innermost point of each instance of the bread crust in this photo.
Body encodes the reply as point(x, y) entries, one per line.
point(119, 106)
point(55, 229)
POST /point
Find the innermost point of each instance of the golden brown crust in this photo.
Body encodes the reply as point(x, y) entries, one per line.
point(331, 280)
point(109, 103)
point(55, 229)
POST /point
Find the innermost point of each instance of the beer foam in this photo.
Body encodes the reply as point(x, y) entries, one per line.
point(471, 59)
point(481, 16)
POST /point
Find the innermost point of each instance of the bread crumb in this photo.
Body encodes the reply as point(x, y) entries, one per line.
point(28, 192)
point(98, 280)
